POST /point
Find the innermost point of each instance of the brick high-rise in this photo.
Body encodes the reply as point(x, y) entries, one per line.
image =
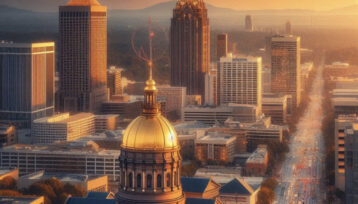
point(83, 56)
point(190, 46)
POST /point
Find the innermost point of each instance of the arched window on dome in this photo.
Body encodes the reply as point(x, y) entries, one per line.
point(159, 181)
point(149, 181)
point(169, 182)
point(130, 180)
point(139, 180)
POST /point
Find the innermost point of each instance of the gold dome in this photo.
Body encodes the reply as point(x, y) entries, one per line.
point(150, 133)
point(83, 3)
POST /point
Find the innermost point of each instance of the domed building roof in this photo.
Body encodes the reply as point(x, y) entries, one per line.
point(83, 3)
point(150, 133)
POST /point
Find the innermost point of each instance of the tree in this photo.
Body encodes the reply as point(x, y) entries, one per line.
point(266, 195)
point(44, 190)
point(74, 190)
point(56, 185)
point(8, 183)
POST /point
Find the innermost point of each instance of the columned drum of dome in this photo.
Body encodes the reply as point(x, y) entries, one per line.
point(150, 160)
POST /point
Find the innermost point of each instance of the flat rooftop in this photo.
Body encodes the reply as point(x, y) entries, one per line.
point(63, 118)
point(42, 175)
point(210, 139)
point(258, 156)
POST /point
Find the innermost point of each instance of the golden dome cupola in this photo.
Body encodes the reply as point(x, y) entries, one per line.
point(150, 131)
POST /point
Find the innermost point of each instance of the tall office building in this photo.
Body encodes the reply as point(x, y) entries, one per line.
point(26, 82)
point(83, 56)
point(221, 46)
point(285, 66)
point(288, 28)
point(190, 46)
point(239, 81)
point(114, 81)
point(248, 23)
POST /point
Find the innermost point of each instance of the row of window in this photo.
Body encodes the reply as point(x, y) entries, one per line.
point(149, 180)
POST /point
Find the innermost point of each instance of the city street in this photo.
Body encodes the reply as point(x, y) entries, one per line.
point(301, 178)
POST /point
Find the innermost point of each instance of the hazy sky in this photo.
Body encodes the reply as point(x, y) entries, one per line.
point(251, 4)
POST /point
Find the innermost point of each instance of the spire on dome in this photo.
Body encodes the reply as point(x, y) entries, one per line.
point(83, 3)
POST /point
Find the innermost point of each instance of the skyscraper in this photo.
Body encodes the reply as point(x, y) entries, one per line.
point(288, 28)
point(248, 23)
point(285, 66)
point(221, 46)
point(190, 46)
point(114, 81)
point(239, 81)
point(26, 82)
point(83, 56)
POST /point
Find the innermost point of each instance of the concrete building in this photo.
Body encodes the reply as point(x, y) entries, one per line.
point(345, 101)
point(275, 106)
point(8, 135)
point(306, 69)
point(248, 23)
point(266, 80)
point(285, 66)
point(74, 157)
point(256, 164)
point(190, 46)
point(175, 99)
point(215, 148)
point(259, 132)
point(239, 81)
point(211, 90)
point(221, 46)
point(288, 28)
point(88, 183)
point(241, 136)
point(106, 122)
point(237, 191)
point(22, 200)
point(343, 126)
point(62, 127)
point(211, 115)
point(27, 83)
point(83, 56)
point(114, 81)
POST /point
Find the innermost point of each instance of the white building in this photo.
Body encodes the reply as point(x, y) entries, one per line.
point(62, 127)
point(239, 80)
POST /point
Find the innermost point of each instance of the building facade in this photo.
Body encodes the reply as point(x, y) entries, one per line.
point(286, 66)
point(175, 98)
point(83, 56)
point(275, 106)
point(249, 26)
point(190, 46)
point(8, 135)
point(239, 81)
point(114, 81)
point(62, 127)
point(221, 46)
point(215, 148)
point(27, 73)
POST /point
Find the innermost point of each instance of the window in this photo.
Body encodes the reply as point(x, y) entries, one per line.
point(149, 181)
point(139, 180)
point(130, 180)
point(175, 178)
point(168, 180)
point(159, 181)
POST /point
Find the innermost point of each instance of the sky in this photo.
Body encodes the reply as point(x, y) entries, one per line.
point(234, 4)
point(250, 4)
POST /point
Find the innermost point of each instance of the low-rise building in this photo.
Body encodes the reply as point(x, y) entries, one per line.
point(22, 200)
point(211, 114)
point(241, 136)
point(216, 148)
point(106, 122)
point(259, 132)
point(237, 191)
point(62, 127)
point(256, 164)
point(8, 135)
point(88, 183)
point(275, 106)
point(93, 197)
point(68, 157)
